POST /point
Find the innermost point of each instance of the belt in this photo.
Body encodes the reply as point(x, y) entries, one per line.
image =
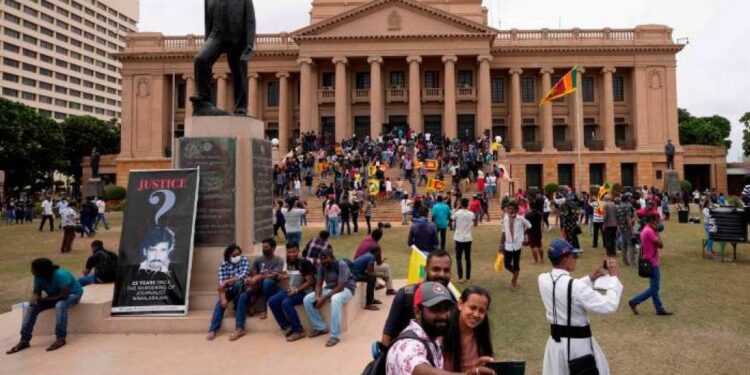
point(557, 332)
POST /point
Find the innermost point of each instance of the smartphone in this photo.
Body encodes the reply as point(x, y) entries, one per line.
point(606, 265)
point(507, 367)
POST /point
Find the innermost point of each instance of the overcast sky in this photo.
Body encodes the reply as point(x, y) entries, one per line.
point(713, 76)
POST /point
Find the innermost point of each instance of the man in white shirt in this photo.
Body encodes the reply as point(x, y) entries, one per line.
point(405, 209)
point(47, 214)
point(293, 216)
point(514, 229)
point(464, 221)
point(569, 343)
point(101, 209)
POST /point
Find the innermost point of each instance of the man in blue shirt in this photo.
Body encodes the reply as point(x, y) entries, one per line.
point(440, 215)
point(423, 234)
point(61, 290)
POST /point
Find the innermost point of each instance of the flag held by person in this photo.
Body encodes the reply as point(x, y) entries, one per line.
point(374, 187)
point(568, 84)
point(372, 170)
point(320, 167)
point(431, 164)
point(418, 270)
point(435, 185)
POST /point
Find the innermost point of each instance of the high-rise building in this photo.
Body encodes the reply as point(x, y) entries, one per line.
point(58, 55)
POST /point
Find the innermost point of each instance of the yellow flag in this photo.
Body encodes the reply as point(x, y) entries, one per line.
point(418, 270)
point(372, 170)
point(374, 187)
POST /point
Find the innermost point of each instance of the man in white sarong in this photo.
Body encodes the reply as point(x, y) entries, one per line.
point(584, 298)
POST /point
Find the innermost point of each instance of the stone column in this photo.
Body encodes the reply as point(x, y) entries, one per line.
point(221, 90)
point(415, 93)
point(306, 95)
point(484, 95)
point(252, 95)
point(575, 121)
point(189, 92)
point(546, 115)
point(515, 109)
point(608, 109)
point(376, 96)
point(283, 111)
point(342, 122)
point(450, 126)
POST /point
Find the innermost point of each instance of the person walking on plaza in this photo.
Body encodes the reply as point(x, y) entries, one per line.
point(405, 209)
point(707, 226)
point(346, 211)
point(423, 234)
point(650, 244)
point(47, 214)
point(332, 214)
point(334, 283)
point(301, 275)
point(61, 291)
point(101, 209)
point(567, 302)
point(534, 234)
point(514, 230)
point(293, 220)
point(68, 219)
point(369, 204)
point(464, 223)
point(440, 216)
point(625, 215)
point(598, 222)
point(610, 226)
point(61, 206)
point(233, 271)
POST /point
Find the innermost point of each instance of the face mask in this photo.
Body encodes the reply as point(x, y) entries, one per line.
point(236, 259)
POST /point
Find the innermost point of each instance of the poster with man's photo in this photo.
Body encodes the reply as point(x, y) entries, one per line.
point(156, 245)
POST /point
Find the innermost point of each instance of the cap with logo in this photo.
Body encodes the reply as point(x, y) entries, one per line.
point(430, 294)
point(559, 248)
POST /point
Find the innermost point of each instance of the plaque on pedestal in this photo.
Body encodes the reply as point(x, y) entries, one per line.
point(262, 189)
point(671, 182)
point(94, 187)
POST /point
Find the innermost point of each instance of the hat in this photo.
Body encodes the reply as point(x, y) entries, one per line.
point(430, 294)
point(559, 248)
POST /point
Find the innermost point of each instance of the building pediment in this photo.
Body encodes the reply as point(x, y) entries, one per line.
point(392, 18)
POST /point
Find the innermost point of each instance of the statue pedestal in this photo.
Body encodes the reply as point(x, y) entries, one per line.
point(94, 187)
point(235, 203)
point(671, 182)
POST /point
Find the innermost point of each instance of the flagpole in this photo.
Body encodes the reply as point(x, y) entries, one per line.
point(579, 131)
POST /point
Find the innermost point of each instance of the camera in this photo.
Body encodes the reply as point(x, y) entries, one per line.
point(606, 265)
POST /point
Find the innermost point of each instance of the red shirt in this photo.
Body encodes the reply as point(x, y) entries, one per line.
point(650, 241)
point(364, 247)
point(474, 206)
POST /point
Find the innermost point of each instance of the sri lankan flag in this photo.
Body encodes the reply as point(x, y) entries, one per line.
point(374, 187)
point(431, 164)
point(603, 190)
point(371, 170)
point(320, 167)
point(435, 185)
point(568, 84)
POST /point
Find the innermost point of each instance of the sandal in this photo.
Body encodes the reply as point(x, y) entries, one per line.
point(317, 333)
point(20, 346)
point(59, 343)
point(371, 308)
point(331, 342)
point(236, 335)
point(211, 336)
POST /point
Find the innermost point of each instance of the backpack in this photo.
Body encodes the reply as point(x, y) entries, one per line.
point(377, 365)
point(106, 270)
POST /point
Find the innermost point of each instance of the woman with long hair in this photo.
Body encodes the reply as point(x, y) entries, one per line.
point(468, 344)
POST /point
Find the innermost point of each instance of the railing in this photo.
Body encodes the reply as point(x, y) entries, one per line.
point(535, 146)
point(574, 36)
point(326, 96)
point(594, 144)
point(361, 95)
point(147, 41)
point(564, 145)
point(625, 144)
point(432, 94)
point(466, 93)
point(397, 95)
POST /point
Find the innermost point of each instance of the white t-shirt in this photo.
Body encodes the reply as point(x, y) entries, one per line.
point(297, 184)
point(546, 204)
point(388, 186)
point(520, 225)
point(293, 219)
point(100, 206)
point(47, 207)
point(464, 223)
point(405, 203)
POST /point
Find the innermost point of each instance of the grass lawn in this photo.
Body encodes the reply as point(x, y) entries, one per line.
point(710, 333)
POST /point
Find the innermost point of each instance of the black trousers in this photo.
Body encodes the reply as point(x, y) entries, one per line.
point(463, 249)
point(512, 260)
point(610, 240)
point(597, 230)
point(442, 238)
point(51, 222)
point(212, 49)
point(369, 228)
point(355, 218)
point(345, 221)
point(370, 290)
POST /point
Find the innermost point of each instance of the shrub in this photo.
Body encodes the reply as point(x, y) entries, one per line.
point(686, 186)
point(114, 193)
point(117, 207)
point(616, 188)
point(734, 201)
point(551, 188)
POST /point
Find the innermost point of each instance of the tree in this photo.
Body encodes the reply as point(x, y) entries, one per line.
point(683, 115)
point(712, 131)
point(745, 120)
point(82, 134)
point(30, 147)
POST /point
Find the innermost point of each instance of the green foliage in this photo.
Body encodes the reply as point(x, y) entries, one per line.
point(616, 188)
point(117, 207)
point(712, 131)
point(30, 147)
point(734, 201)
point(114, 193)
point(686, 186)
point(551, 188)
point(745, 120)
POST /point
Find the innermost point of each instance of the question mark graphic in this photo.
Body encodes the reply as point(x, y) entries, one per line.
point(167, 204)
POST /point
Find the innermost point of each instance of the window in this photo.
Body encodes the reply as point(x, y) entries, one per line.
point(627, 171)
point(28, 81)
point(45, 86)
point(10, 47)
point(47, 59)
point(596, 174)
point(397, 80)
point(29, 53)
point(181, 94)
point(29, 25)
point(497, 87)
point(61, 89)
point(46, 31)
point(362, 126)
point(534, 175)
point(272, 98)
point(329, 80)
point(431, 79)
point(29, 39)
point(46, 45)
point(565, 174)
point(45, 99)
point(529, 133)
point(618, 88)
point(28, 96)
point(10, 62)
point(12, 33)
point(559, 130)
point(13, 4)
point(10, 92)
point(528, 94)
point(362, 80)
point(45, 72)
point(465, 79)
point(10, 77)
point(61, 103)
point(12, 18)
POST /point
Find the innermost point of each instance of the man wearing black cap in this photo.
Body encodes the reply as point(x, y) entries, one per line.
point(567, 302)
point(416, 351)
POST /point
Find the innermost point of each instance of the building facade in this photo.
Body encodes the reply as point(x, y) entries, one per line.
point(58, 56)
point(364, 67)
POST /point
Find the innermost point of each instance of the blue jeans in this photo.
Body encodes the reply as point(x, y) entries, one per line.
point(61, 310)
point(267, 288)
point(709, 241)
point(333, 226)
point(337, 304)
point(651, 292)
point(233, 293)
point(102, 218)
point(282, 306)
point(88, 279)
point(296, 236)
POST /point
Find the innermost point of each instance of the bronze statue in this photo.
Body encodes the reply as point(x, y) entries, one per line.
point(94, 163)
point(669, 152)
point(230, 29)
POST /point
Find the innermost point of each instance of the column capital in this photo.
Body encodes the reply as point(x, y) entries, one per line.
point(608, 69)
point(415, 58)
point(374, 59)
point(220, 76)
point(339, 60)
point(188, 76)
point(546, 70)
point(516, 71)
point(487, 58)
point(253, 75)
point(305, 60)
point(283, 74)
point(451, 58)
